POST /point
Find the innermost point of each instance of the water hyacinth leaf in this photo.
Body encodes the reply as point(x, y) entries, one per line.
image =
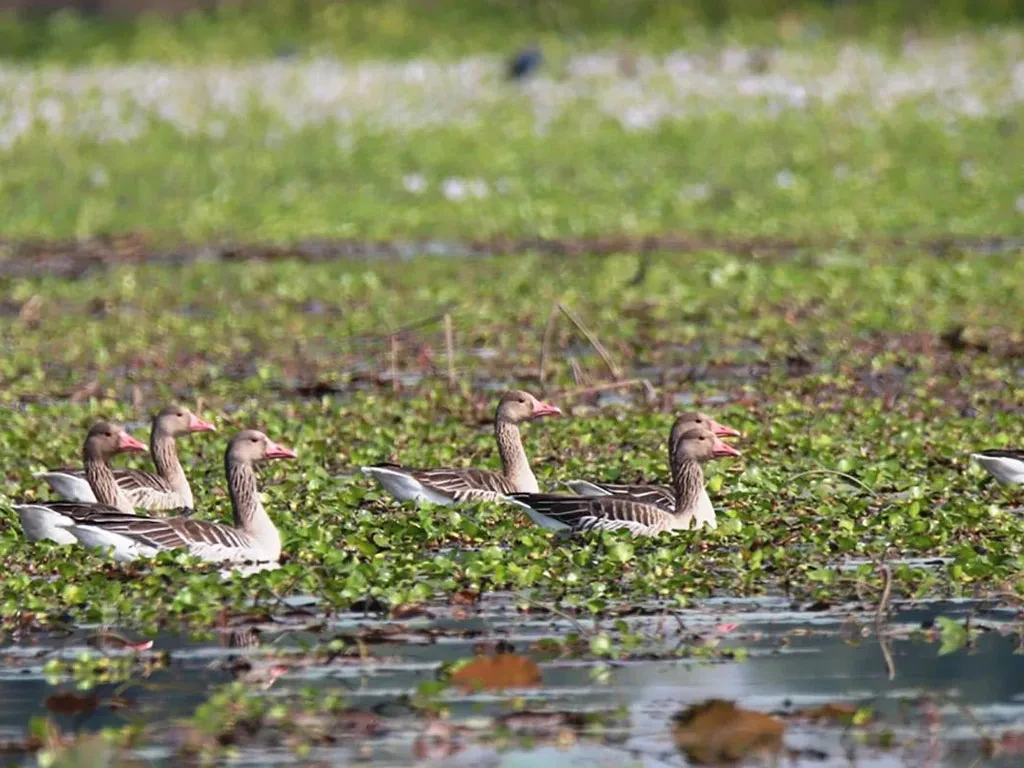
point(953, 635)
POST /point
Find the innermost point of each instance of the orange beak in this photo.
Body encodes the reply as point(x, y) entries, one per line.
point(545, 409)
point(720, 430)
point(724, 449)
point(275, 451)
point(195, 424)
point(128, 443)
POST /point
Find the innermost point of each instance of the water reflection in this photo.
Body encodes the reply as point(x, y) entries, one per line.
point(796, 659)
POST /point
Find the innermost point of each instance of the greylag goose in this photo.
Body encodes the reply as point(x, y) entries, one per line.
point(1006, 465)
point(445, 486)
point(610, 513)
point(252, 538)
point(168, 489)
point(663, 495)
point(103, 441)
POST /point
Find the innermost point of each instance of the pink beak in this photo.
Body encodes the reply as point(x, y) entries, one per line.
point(545, 409)
point(128, 443)
point(195, 424)
point(720, 430)
point(724, 449)
point(275, 451)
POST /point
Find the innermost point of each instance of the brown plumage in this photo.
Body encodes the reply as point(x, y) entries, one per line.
point(658, 494)
point(167, 489)
point(253, 537)
point(610, 513)
point(445, 486)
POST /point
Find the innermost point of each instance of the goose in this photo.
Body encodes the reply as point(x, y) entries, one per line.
point(663, 495)
point(447, 486)
point(1006, 465)
point(103, 441)
point(609, 513)
point(165, 490)
point(252, 538)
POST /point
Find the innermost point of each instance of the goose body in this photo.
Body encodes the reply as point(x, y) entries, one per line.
point(662, 495)
point(166, 490)
point(452, 486)
point(44, 520)
point(444, 486)
point(656, 495)
point(253, 538)
point(578, 514)
point(1006, 465)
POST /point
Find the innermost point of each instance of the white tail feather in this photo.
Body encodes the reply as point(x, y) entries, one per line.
point(404, 486)
point(1006, 470)
point(538, 519)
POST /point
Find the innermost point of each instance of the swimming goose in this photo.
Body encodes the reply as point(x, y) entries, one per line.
point(253, 537)
point(610, 513)
point(1006, 465)
point(663, 495)
point(103, 441)
point(445, 486)
point(168, 489)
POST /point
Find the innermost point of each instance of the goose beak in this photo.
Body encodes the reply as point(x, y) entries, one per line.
point(195, 424)
point(128, 443)
point(275, 451)
point(720, 430)
point(545, 409)
point(724, 449)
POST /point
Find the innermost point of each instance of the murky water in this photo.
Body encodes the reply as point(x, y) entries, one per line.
point(937, 709)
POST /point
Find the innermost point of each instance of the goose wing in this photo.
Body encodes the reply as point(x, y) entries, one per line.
point(658, 495)
point(598, 513)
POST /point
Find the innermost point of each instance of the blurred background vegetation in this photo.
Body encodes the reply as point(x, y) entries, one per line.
point(109, 30)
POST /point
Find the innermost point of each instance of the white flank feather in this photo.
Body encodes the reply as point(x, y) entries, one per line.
point(40, 523)
point(68, 487)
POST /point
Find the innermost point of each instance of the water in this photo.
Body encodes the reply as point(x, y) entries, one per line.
point(936, 707)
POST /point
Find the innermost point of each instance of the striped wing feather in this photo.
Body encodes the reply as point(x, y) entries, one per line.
point(598, 513)
point(158, 532)
point(464, 484)
point(658, 495)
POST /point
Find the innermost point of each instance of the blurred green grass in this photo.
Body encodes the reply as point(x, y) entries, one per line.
point(800, 175)
point(404, 28)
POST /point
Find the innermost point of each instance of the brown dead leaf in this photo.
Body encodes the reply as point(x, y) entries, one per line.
point(504, 670)
point(105, 639)
point(121, 702)
point(718, 731)
point(543, 725)
point(71, 703)
point(464, 597)
point(14, 747)
point(84, 392)
point(30, 311)
point(407, 611)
